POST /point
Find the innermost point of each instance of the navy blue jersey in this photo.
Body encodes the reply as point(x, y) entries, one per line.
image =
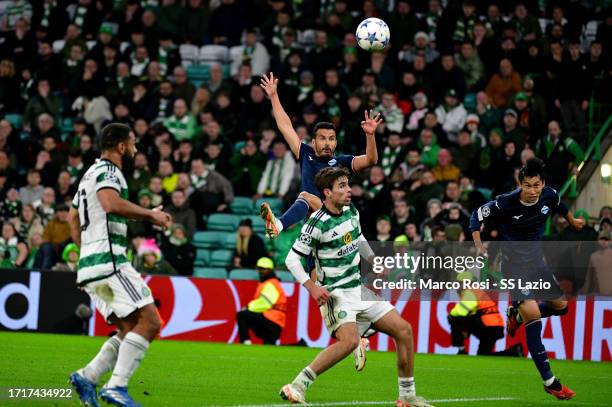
point(516, 221)
point(311, 165)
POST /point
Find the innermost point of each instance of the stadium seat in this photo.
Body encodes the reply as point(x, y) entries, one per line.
point(189, 53)
point(229, 242)
point(221, 258)
point(244, 274)
point(469, 102)
point(66, 126)
point(486, 193)
point(214, 53)
point(197, 74)
point(202, 257)
point(275, 203)
point(210, 272)
point(285, 276)
point(224, 222)
point(208, 239)
point(259, 226)
point(16, 120)
point(58, 46)
point(242, 205)
point(238, 146)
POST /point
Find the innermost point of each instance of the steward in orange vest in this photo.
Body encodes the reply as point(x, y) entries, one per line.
point(265, 314)
point(477, 315)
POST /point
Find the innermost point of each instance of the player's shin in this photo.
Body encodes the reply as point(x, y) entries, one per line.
point(131, 353)
point(104, 361)
point(533, 329)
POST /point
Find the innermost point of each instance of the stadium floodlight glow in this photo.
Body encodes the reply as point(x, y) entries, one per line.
point(606, 170)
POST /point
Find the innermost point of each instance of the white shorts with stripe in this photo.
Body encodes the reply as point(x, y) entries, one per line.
point(121, 294)
point(359, 305)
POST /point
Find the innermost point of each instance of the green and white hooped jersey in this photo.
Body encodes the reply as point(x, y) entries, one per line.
point(334, 242)
point(103, 236)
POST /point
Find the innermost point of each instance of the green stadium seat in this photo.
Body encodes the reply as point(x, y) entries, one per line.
point(469, 102)
point(224, 222)
point(259, 226)
point(197, 74)
point(221, 258)
point(208, 239)
point(275, 203)
point(244, 274)
point(210, 272)
point(229, 242)
point(242, 205)
point(486, 193)
point(285, 276)
point(16, 120)
point(238, 146)
point(202, 257)
point(66, 126)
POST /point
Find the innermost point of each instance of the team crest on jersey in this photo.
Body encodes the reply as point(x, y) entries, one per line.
point(486, 211)
point(332, 162)
point(348, 238)
point(305, 238)
point(145, 291)
point(544, 209)
point(342, 314)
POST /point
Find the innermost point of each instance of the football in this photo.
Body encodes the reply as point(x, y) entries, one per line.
point(373, 34)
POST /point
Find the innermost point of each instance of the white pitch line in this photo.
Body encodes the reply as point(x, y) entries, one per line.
point(379, 403)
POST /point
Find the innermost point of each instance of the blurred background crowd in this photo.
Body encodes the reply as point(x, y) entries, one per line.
point(468, 90)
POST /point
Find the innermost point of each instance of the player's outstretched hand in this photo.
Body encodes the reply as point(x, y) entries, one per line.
point(269, 84)
point(320, 295)
point(160, 218)
point(371, 122)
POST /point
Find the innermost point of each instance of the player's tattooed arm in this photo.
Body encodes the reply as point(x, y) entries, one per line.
point(270, 85)
point(370, 158)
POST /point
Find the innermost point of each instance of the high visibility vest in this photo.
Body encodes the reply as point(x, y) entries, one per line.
point(270, 299)
point(487, 308)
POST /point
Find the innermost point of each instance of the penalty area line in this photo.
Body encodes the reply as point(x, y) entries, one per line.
point(380, 403)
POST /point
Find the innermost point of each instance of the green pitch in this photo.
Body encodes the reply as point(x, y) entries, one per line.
point(203, 374)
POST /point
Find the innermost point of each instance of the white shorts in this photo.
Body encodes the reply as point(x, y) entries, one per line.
point(120, 294)
point(359, 305)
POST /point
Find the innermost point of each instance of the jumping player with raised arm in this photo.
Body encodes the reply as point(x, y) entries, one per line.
point(98, 225)
point(521, 215)
point(333, 235)
point(312, 159)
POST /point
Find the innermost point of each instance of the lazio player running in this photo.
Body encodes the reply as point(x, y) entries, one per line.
point(333, 235)
point(520, 216)
point(312, 159)
point(98, 225)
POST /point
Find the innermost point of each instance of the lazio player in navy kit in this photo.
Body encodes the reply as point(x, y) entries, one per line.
point(521, 216)
point(312, 159)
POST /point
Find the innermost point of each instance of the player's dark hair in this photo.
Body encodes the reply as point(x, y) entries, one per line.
point(532, 168)
point(112, 135)
point(324, 126)
point(327, 176)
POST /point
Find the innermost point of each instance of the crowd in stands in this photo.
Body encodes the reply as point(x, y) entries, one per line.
point(469, 90)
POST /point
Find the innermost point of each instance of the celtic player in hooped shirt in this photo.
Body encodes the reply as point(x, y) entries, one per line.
point(333, 235)
point(98, 225)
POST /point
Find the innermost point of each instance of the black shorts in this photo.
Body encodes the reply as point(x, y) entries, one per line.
point(533, 280)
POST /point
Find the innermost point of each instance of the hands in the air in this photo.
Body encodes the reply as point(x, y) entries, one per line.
point(371, 122)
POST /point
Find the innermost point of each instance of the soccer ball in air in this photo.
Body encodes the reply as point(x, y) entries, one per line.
point(373, 34)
